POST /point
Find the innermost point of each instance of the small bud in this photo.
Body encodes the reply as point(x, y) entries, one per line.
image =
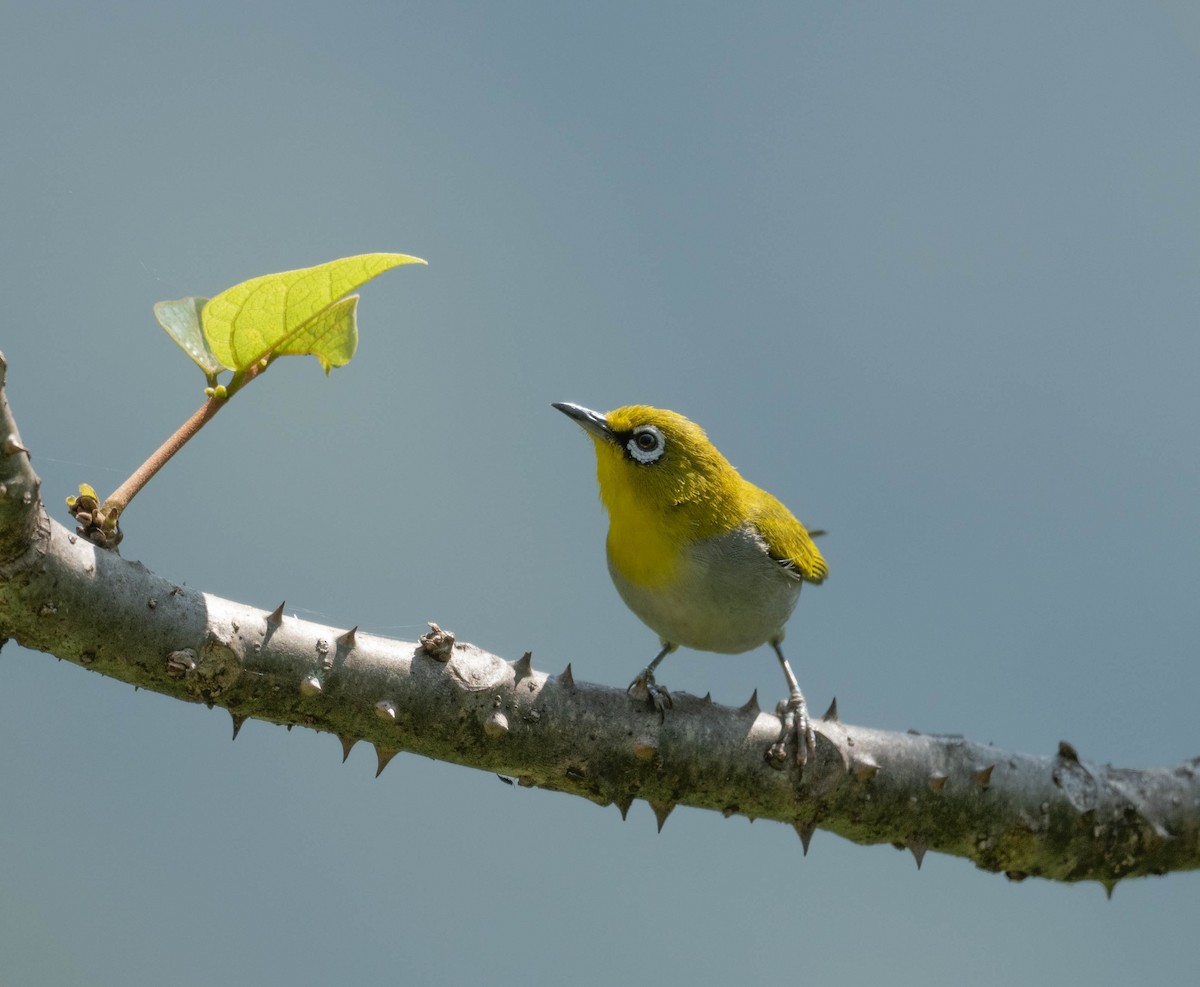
point(437, 643)
point(181, 663)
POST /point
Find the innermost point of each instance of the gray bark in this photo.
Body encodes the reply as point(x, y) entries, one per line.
point(1056, 817)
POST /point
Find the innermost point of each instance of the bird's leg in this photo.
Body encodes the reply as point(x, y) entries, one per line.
point(795, 719)
point(644, 687)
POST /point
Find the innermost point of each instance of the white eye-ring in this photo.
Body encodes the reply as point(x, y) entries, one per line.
point(647, 444)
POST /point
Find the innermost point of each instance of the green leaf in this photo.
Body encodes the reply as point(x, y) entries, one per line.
point(181, 319)
point(331, 336)
point(274, 315)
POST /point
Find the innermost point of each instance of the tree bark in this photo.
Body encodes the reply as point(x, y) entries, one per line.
point(1057, 817)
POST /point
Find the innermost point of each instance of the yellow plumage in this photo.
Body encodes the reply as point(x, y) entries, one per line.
point(694, 493)
point(704, 557)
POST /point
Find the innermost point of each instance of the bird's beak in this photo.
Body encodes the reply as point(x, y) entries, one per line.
point(592, 422)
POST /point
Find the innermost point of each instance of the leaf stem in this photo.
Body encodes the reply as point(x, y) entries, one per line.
point(120, 498)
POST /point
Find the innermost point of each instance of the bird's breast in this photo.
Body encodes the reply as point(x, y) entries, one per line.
point(724, 593)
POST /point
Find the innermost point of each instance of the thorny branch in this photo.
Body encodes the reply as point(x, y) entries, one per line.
point(1056, 817)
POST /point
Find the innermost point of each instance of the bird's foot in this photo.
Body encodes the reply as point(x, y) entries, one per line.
point(647, 690)
point(796, 727)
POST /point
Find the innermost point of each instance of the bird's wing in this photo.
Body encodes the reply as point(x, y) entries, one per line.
point(788, 541)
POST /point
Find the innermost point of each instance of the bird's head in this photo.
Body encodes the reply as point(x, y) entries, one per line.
point(657, 461)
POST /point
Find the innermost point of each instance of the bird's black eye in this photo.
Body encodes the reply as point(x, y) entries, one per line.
point(647, 444)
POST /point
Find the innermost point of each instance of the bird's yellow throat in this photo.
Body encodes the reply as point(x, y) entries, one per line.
point(655, 513)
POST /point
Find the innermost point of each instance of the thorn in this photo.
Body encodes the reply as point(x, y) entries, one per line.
point(1109, 884)
point(805, 831)
point(238, 720)
point(289, 727)
point(917, 845)
point(1016, 876)
point(384, 755)
point(507, 781)
point(348, 743)
point(983, 777)
point(751, 704)
point(831, 714)
point(707, 698)
point(496, 725)
point(661, 811)
point(348, 639)
point(523, 666)
point(276, 616)
point(865, 767)
point(385, 709)
point(623, 804)
point(11, 446)
point(567, 679)
point(1067, 752)
point(310, 686)
point(937, 781)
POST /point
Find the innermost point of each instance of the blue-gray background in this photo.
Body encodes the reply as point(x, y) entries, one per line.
point(926, 271)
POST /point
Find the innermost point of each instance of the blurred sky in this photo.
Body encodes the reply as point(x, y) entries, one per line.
point(928, 272)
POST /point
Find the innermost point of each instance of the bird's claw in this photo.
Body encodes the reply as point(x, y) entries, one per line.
point(645, 689)
point(796, 727)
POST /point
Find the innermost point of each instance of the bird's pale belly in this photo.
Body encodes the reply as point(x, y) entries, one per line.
point(729, 596)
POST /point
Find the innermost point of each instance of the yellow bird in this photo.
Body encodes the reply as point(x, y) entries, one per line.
point(704, 558)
